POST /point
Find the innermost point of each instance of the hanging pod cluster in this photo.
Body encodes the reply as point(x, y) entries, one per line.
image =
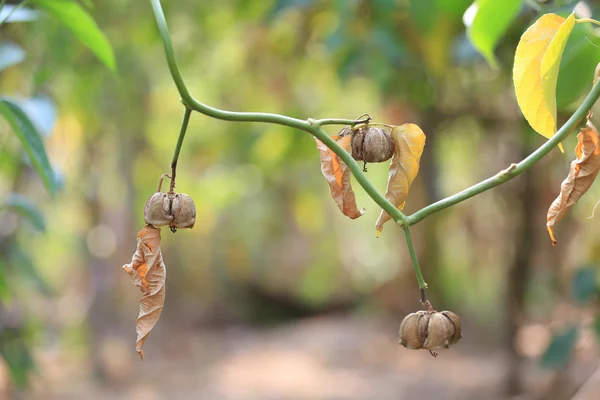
point(430, 330)
point(374, 143)
point(176, 210)
point(147, 270)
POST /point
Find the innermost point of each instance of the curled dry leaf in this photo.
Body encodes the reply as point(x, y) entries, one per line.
point(582, 174)
point(147, 271)
point(409, 141)
point(338, 174)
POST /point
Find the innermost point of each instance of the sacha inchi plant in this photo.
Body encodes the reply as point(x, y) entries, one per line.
point(535, 74)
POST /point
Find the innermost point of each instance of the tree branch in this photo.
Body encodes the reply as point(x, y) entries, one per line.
point(515, 169)
point(311, 126)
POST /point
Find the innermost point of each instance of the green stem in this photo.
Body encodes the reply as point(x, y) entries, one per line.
point(311, 126)
point(415, 262)
point(515, 169)
point(184, 125)
point(590, 20)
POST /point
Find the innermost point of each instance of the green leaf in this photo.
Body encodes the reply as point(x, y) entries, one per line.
point(82, 25)
point(15, 352)
point(24, 265)
point(596, 326)
point(560, 349)
point(487, 21)
point(27, 209)
point(41, 111)
point(10, 54)
point(31, 140)
point(583, 285)
point(579, 61)
point(4, 291)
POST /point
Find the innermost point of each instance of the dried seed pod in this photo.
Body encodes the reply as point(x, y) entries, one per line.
point(413, 330)
point(157, 210)
point(430, 330)
point(455, 321)
point(372, 145)
point(177, 210)
point(184, 211)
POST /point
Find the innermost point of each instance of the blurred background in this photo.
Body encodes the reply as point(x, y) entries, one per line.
point(275, 294)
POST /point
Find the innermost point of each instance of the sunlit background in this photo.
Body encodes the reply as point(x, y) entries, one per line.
point(275, 294)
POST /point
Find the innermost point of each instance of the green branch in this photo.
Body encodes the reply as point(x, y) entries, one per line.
point(515, 169)
point(314, 127)
point(184, 125)
point(311, 126)
point(415, 262)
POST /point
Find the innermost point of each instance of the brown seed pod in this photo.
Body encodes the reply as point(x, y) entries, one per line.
point(157, 211)
point(176, 210)
point(184, 211)
point(430, 330)
point(372, 145)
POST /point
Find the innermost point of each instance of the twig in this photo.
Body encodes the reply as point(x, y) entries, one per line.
point(314, 127)
point(184, 125)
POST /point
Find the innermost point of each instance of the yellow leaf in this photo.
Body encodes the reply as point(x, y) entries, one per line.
point(582, 174)
point(147, 271)
point(409, 141)
point(535, 71)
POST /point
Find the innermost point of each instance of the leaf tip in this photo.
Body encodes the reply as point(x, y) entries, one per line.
point(378, 233)
point(551, 233)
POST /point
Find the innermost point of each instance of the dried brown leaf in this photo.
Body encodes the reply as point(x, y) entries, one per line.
point(147, 271)
point(582, 174)
point(409, 141)
point(338, 174)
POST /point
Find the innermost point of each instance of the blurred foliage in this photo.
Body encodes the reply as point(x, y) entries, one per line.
point(269, 244)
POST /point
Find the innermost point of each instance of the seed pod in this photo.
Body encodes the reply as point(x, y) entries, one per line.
point(430, 330)
point(184, 211)
point(455, 321)
point(413, 330)
point(157, 210)
point(177, 210)
point(372, 145)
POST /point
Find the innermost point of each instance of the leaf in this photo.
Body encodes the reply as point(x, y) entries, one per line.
point(579, 60)
point(596, 326)
point(560, 349)
point(10, 54)
point(31, 141)
point(535, 71)
point(82, 25)
point(42, 112)
point(4, 286)
point(338, 174)
point(409, 141)
point(27, 209)
point(583, 285)
point(24, 265)
point(147, 271)
point(487, 21)
point(16, 13)
point(15, 351)
point(582, 174)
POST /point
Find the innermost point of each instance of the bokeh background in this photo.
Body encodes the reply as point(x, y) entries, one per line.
point(274, 294)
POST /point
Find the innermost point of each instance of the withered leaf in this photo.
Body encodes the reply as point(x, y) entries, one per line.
point(338, 174)
point(582, 174)
point(147, 271)
point(409, 141)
